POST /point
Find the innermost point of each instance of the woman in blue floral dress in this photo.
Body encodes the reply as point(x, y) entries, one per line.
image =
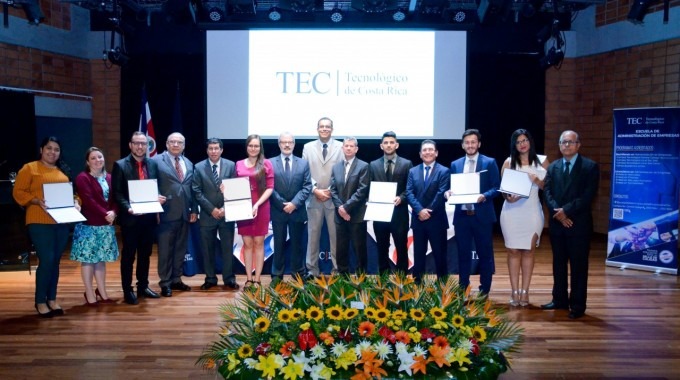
point(94, 241)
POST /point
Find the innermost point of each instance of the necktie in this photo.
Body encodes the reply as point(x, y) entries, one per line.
point(178, 169)
point(388, 172)
point(346, 169)
point(471, 169)
point(287, 168)
point(216, 176)
point(567, 168)
point(427, 174)
point(140, 169)
point(325, 151)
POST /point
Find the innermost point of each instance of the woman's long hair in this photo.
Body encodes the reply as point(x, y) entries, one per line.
point(260, 175)
point(515, 161)
point(61, 164)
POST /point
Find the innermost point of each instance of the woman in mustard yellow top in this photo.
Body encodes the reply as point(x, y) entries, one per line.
point(48, 237)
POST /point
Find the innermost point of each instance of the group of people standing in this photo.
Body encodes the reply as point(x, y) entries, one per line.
point(327, 184)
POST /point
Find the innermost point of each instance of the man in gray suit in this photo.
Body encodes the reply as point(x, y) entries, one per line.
point(208, 175)
point(349, 191)
point(392, 168)
point(292, 186)
point(175, 174)
point(321, 154)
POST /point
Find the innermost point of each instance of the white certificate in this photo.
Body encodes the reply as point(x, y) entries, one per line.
point(238, 204)
point(60, 203)
point(144, 196)
point(515, 182)
point(380, 205)
point(464, 188)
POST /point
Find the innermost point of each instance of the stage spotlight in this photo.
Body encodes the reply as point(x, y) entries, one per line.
point(399, 15)
point(274, 14)
point(337, 15)
point(638, 10)
point(215, 14)
point(117, 57)
point(554, 57)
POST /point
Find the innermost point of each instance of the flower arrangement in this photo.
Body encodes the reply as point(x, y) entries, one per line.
point(361, 327)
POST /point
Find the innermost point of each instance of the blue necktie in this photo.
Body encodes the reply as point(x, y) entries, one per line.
point(216, 176)
point(427, 174)
point(287, 168)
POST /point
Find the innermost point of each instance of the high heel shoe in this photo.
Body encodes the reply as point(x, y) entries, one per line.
point(514, 298)
point(44, 315)
point(101, 299)
point(524, 298)
point(88, 303)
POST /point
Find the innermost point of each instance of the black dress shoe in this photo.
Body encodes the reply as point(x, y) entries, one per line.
point(231, 287)
point(166, 291)
point(55, 312)
point(553, 306)
point(207, 285)
point(147, 293)
point(49, 314)
point(308, 277)
point(130, 298)
point(182, 287)
point(576, 314)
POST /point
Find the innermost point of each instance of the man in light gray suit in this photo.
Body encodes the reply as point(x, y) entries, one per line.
point(292, 186)
point(175, 174)
point(321, 154)
point(208, 175)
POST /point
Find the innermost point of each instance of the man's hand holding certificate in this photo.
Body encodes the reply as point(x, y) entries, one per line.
point(464, 188)
point(381, 201)
point(144, 198)
point(238, 204)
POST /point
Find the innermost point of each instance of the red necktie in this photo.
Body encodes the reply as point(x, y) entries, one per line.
point(178, 168)
point(140, 169)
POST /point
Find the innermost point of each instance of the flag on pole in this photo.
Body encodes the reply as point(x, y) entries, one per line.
point(146, 125)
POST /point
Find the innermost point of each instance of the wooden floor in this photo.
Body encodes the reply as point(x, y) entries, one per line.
point(631, 330)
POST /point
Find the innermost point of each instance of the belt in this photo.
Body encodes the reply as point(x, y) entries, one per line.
point(469, 212)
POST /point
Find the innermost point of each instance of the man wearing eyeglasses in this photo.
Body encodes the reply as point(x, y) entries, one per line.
point(570, 186)
point(175, 177)
point(137, 231)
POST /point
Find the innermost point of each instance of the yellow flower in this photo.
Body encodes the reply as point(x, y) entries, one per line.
point(369, 312)
point(292, 370)
point(314, 313)
point(305, 326)
point(285, 316)
point(460, 356)
point(245, 351)
point(415, 336)
point(399, 314)
point(326, 372)
point(233, 362)
point(346, 359)
point(382, 315)
point(437, 313)
point(268, 365)
point(351, 313)
point(479, 333)
point(417, 315)
point(335, 313)
point(297, 314)
point(457, 320)
point(262, 324)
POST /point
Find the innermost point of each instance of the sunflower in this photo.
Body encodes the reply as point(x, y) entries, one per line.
point(369, 312)
point(285, 315)
point(457, 321)
point(245, 351)
point(479, 333)
point(437, 313)
point(314, 313)
point(351, 313)
point(335, 313)
point(417, 315)
point(382, 315)
point(297, 314)
point(399, 315)
point(262, 324)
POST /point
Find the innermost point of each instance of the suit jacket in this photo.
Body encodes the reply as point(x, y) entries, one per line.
point(93, 205)
point(207, 193)
point(572, 192)
point(294, 188)
point(320, 168)
point(179, 195)
point(430, 196)
point(400, 176)
point(124, 170)
point(489, 182)
point(353, 192)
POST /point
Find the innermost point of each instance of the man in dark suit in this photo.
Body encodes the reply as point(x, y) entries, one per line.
point(425, 190)
point(570, 187)
point(392, 168)
point(349, 192)
point(175, 174)
point(208, 175)
point(474, 222)
point(137, 231)
point(292, 186)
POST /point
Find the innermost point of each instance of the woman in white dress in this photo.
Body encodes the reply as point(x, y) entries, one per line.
point(522, 218)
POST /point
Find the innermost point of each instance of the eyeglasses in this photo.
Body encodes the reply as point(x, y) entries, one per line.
point(175, 142)
point(138, 143)
point(568, 142)
point(520, 142)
